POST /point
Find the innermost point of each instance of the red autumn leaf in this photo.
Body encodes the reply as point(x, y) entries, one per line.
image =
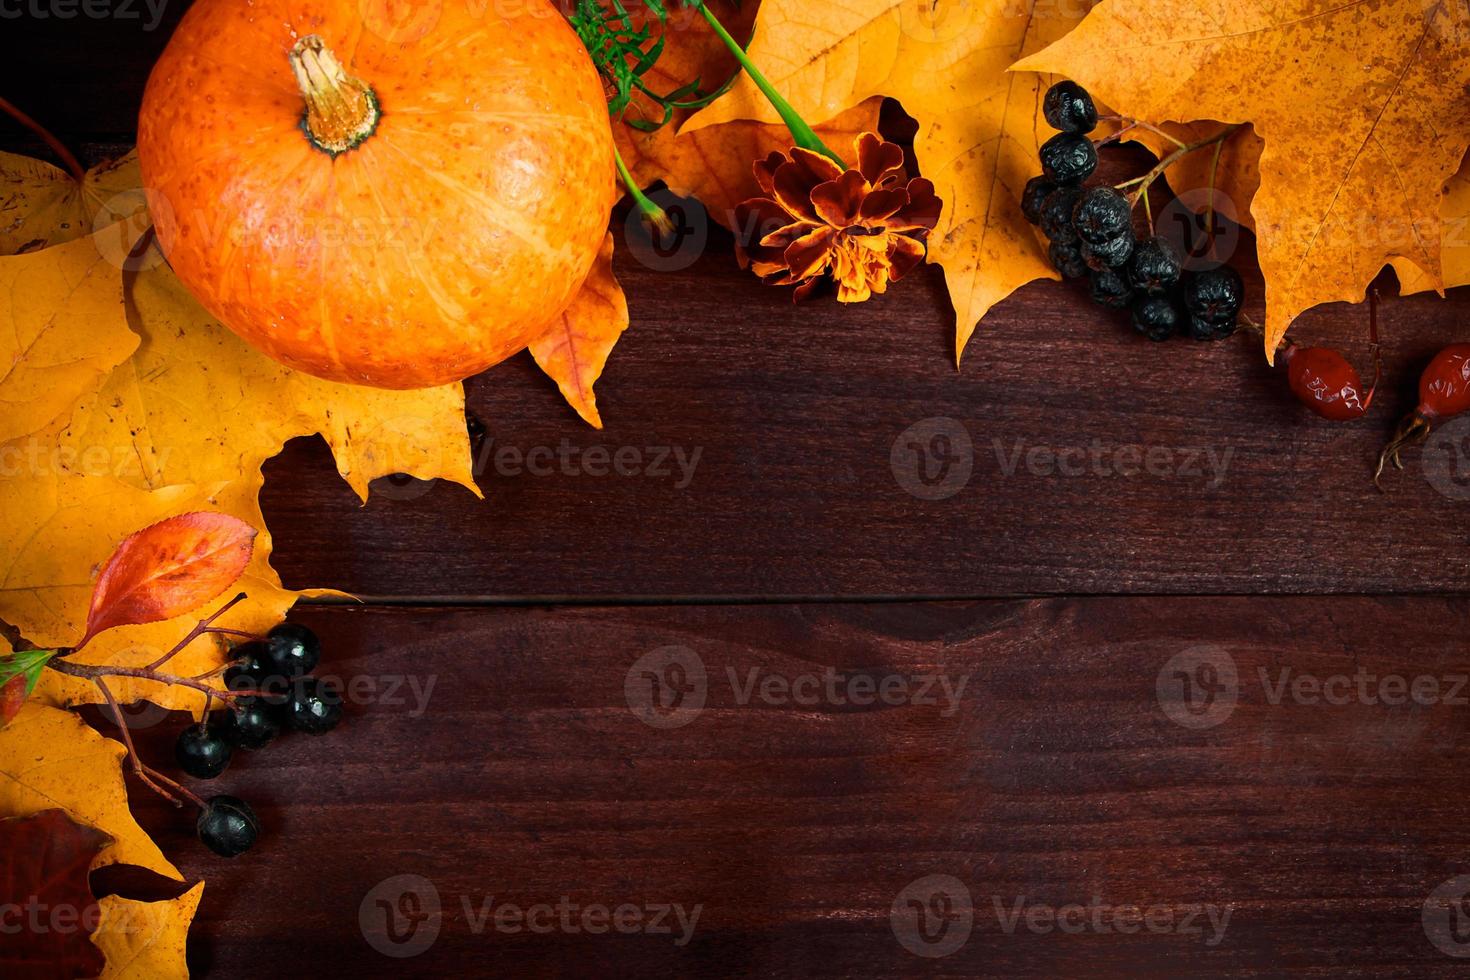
point(169, 568)
point(12, 696)
point(47, 898)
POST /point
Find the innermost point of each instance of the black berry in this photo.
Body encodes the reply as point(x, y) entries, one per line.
point(1068, 107)
point(250, 725)
point(1156, 265)
point(1038, 189)
point(1056, 214)
point(1201, 329)
point(227, 826)
point(1108, 255)
point(1102, 215)
point(202, 751)
point(1156, 317)
point(1068, 158)
point(1110, 290)
point(314, 707)
point(249, 665)
point(292, 650)
point(1067, 259)
point(1214, 295)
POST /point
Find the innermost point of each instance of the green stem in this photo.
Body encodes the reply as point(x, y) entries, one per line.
point(654, 214)
point(804, 135)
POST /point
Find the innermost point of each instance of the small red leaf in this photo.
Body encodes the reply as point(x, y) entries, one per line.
point(44, 862)
point(12, 696)
point(169, 568)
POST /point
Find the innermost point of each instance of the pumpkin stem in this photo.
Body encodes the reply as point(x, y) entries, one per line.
point(341, 111)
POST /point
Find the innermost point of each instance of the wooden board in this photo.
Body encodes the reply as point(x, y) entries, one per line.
point(793, 819)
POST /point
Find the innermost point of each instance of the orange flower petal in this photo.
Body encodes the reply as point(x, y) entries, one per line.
point(818, 168)
point(805, 289)
point(792, 187)
point(754, 220)
point(765, 171)
point(903, 254)
point(922, 211)
point(881, 205)
point(837, 202)
point(809, 254)
point(782, 237)
point(878, 160)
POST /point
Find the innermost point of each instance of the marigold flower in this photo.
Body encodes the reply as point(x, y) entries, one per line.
point(865, 227)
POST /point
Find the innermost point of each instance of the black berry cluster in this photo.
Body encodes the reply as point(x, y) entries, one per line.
point(279, 667)
point(1091, 234)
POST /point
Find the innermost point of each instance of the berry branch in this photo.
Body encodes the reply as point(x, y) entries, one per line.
point(1184, 150)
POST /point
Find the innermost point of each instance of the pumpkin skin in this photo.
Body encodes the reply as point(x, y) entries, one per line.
point(446, 240)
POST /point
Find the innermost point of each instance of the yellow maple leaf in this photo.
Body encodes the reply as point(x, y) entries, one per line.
point(50, 758)
point(72, 524)
point(42, 205)
point(146, 940)
point(1358, 141)
point(196, 404)
point(574, 351)
point(1454, 245)
point(62, 328)
point(979, 128)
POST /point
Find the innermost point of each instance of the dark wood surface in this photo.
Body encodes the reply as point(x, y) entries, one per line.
point(795, 546)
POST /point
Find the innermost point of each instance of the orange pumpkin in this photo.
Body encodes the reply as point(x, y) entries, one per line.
point(399, 204)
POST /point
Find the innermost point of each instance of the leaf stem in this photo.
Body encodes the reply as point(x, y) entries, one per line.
point(803, 134)
point(151, 778)
point(78, 172)
point(202, 627)
point(93, 672)
point(651, 212)
point(1173, 158)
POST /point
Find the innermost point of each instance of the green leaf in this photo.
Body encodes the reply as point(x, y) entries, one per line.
point(27, 662)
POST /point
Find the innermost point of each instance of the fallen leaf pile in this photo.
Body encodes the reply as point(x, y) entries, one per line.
point(1357, 115)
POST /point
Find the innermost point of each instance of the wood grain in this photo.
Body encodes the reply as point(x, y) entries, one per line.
point(1056, 776)
point(794, 413)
